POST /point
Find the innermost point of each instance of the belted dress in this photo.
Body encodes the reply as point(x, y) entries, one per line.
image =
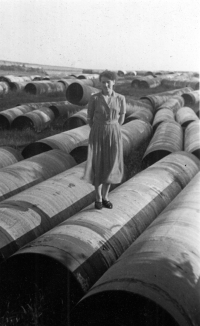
point(105, 148)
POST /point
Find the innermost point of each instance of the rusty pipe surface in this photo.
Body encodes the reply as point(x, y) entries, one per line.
point(192, 138)
point(88, 243)
point(141, 114)
point(134, 105)
point(158, 275)
point(64, 109)
point(192, 101)
point(27, 215)
point(27, 173)
point(185, 116)
point(45, 87)
point(7, 116)
point(36, 120)
point(168, 138)
point(173, 103)
point(78, 93)
point(76, 120)
point(162, 115)
point(8, 156)
point(66, 141)
point(158, 99)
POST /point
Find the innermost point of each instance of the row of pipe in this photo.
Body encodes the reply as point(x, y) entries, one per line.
point(8, 156)
point(24, 174)
point(157, 280)
point(31, 111)
point(145, 82)
point(30, 213)
point(79, 251)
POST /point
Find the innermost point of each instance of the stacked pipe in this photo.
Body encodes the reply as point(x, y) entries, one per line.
point(192, 100)
point(27, 173)
point(52, 201)
point(158, 99)
point(45, 87)
point(133, 106)
point(185, 116)
point(4, 88)
point(76, 120)
point(173, 103)
point(192, 138)
point(66, 141)
point(36, 120)
point(156, 281)
point(162, 115)
point(8, 156)
point(79, 93)
point(88, 243)
point(168, 138)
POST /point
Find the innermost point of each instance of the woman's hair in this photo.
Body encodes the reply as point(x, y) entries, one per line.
point(108, 74)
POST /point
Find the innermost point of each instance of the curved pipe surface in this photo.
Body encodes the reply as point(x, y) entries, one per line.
point(66, 141)
point(173, 103)
point(162, 115)
point(168, 138)
point(37, 120)
point(90, 242)
point(27, 173)
point(185, 116)
point(78, 93)
point(76, 120)
point(142, 114)
point(158, 99)
point(8, 156)
point(7, 116)
point(192, 138)
point(158, 273)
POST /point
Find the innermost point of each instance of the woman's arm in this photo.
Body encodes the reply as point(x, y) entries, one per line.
point(122, 111)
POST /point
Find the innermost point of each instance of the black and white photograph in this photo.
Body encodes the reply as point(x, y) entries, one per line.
point(99, 163)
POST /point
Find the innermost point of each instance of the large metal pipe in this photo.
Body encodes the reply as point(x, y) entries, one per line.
point(36, 120)
point(64, 109)
point(168, 138)
point(158, 99)
point(192, 138)
point(8, 156)
point(142, 114)
point(66, 141)
point(4, 86)
point(185, 116)
point(27, 215)
point(157, 280)
point(76, 120)
point(88, 243)
point(27, 173)
point(134, 105)
point(78, 93)
point(45, 87)
point(173, 103)
point(7, 116)
point(192, 101)
point(162, 115)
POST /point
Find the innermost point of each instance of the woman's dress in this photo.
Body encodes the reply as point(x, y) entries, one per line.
point(105, 152)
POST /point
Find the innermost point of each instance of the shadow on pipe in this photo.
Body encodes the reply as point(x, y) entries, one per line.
point(88, 243)
point(157, 277)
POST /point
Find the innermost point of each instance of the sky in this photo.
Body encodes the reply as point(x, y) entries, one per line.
point(102, 34)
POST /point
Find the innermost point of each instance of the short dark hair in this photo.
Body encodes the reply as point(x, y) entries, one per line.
point(108, 74)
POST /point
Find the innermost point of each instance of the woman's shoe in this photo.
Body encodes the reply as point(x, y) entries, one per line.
point(107, 203)
point(98, 205)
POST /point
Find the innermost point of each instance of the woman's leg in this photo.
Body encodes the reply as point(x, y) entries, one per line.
point(98, 189)
point(105, 190)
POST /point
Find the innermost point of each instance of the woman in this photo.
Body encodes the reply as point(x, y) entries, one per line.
point(104, 166)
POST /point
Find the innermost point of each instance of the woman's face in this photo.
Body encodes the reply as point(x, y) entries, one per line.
point(107, 85)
